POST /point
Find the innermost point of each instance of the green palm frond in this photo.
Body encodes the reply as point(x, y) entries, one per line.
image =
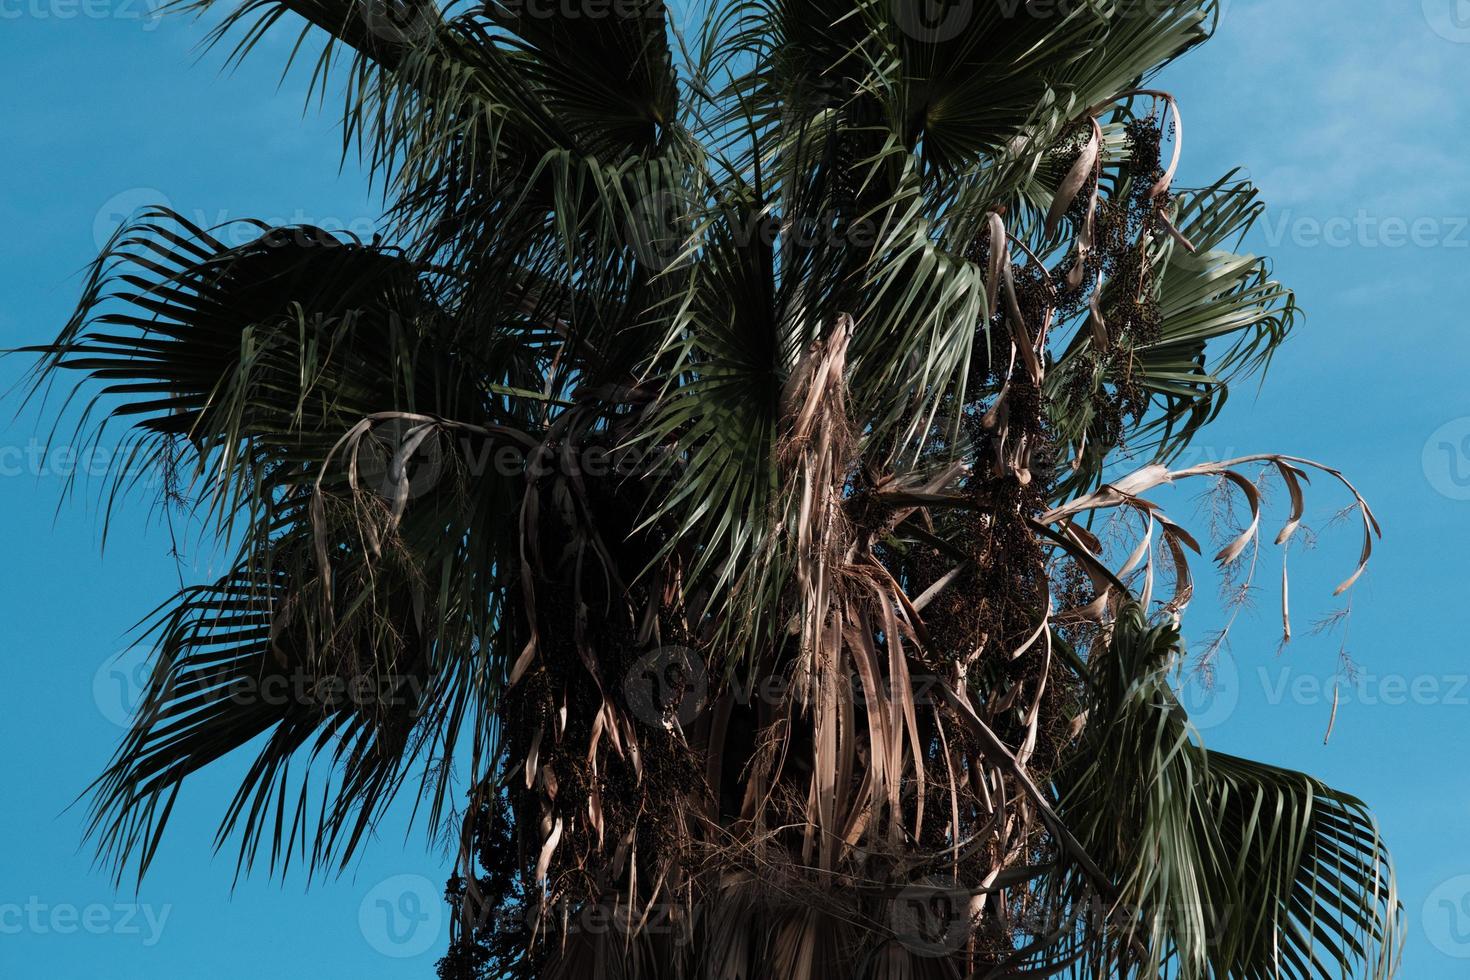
point(1221, 315)
point(1225, 867)
point(239, 370)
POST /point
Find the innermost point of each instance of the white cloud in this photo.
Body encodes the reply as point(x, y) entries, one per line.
point(1357, 104)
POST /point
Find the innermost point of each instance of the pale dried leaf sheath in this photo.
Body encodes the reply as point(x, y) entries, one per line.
point(1332, 718)
point(1285, 603)
point(1162, 184)
point(1176, 234)
point(1292, 477)
point(999, 255)
point(1141, 549)
point(548, 849)
point(1175, 530)
point(940, 584)
point(1002, 756)
point(523, 661)
point(1041, 628)
point(1232, 551)
point(1095, 319)
point(1074, 180)
point(1124, 493)
point(1086, 235)
point(533, 756)
point(1019, 332)
point(1183, 583)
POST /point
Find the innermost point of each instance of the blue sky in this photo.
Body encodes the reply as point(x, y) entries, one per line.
point(1350, 117)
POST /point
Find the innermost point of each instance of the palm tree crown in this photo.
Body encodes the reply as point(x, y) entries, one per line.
point(706, 477)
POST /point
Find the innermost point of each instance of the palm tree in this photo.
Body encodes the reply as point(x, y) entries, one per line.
point(698, 501)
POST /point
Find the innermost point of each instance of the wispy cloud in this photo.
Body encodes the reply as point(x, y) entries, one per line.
point(1355, 103)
